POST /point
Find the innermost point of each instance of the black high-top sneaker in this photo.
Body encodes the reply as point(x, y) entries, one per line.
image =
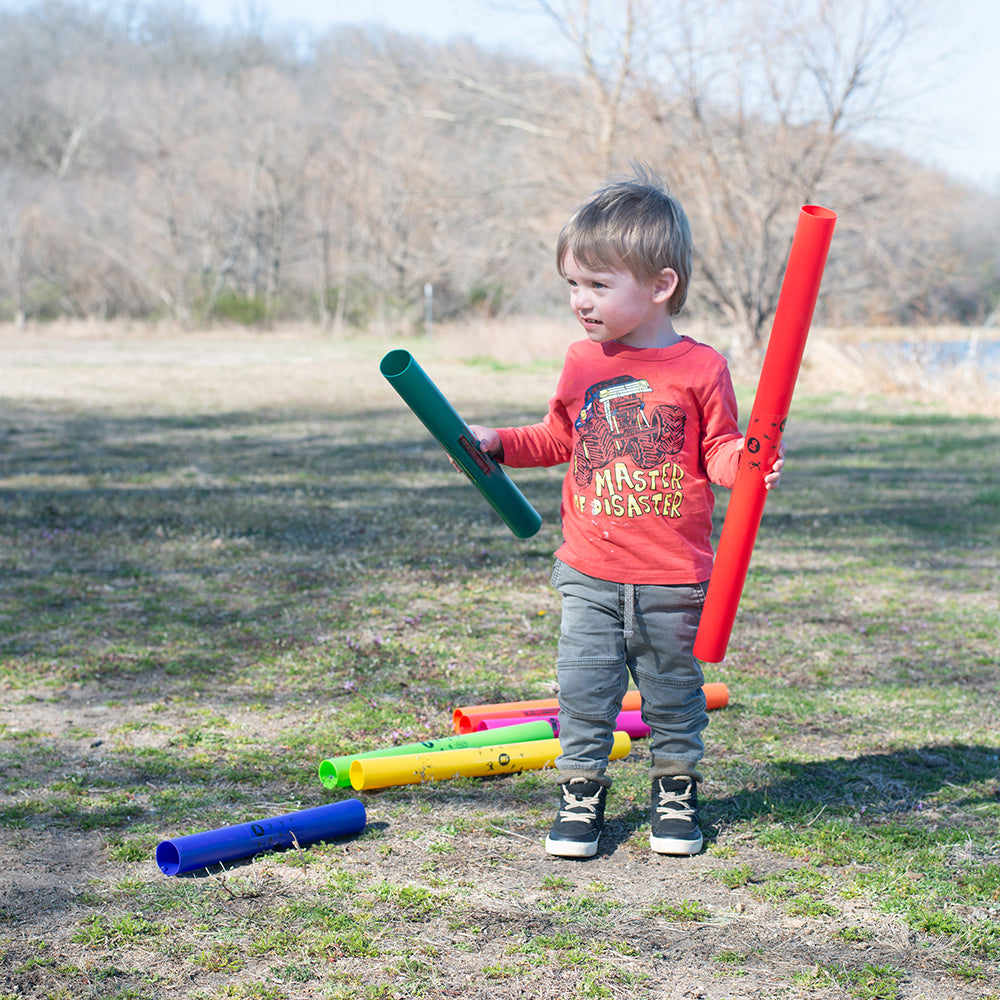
point(577, 828)
point(673, 816)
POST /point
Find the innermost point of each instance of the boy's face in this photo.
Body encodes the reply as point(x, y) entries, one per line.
point(611, 305)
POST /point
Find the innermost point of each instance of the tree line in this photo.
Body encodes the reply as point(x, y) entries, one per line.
point(154, 167)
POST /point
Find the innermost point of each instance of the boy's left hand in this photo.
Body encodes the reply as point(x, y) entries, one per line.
point(774, 476)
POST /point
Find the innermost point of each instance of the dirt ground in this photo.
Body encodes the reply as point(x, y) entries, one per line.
point(51, 871)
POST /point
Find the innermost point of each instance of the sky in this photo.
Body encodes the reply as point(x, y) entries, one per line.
point(949, 93)
point(952, 76)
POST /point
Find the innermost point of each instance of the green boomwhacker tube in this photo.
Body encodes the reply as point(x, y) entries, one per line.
point(438, 415)
point(336, 772)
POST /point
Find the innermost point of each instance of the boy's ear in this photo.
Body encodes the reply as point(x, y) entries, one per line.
point(665, 284)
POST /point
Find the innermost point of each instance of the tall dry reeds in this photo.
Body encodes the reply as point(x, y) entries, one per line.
point(858, 360)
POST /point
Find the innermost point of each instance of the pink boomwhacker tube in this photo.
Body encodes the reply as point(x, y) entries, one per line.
point(792, 317)
point(488, 725)
point(627, 722)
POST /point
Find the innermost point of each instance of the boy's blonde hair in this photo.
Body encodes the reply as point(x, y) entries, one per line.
point(635, 224)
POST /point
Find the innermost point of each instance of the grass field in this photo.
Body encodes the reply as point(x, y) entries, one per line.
point(224, 557)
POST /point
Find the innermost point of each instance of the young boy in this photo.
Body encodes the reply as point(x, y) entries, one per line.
point(647, 421)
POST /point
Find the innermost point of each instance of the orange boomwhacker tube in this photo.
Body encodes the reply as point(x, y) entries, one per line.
point(799, 291)
point(467, 718)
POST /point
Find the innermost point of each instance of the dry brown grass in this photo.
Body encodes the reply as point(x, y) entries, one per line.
point(835, 360)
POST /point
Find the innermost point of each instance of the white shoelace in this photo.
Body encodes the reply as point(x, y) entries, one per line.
point(676, 803)
point(580, 802)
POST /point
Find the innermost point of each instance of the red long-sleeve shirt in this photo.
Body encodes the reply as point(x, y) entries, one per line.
point(645, 432)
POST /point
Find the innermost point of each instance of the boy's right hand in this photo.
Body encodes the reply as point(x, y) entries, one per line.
point(489, 440)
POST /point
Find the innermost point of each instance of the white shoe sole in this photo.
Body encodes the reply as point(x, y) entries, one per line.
point(570, 848)
point(668, 845)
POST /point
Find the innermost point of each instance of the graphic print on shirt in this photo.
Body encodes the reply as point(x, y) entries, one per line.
point(613, 424)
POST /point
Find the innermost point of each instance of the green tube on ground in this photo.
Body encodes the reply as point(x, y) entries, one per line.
point(336, 771)
point(453, 434)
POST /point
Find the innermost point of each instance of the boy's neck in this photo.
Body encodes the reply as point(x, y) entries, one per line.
point(662, 336)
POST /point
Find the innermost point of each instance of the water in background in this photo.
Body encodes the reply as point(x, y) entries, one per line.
point(939, 357)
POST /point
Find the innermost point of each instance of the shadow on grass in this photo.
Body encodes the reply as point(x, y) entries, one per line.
point(188, 545)
point(290, 482)
point(297, 481)
point(919, 784)
point(916, 794)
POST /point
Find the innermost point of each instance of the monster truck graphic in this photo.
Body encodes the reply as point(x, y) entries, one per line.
point(613, 423)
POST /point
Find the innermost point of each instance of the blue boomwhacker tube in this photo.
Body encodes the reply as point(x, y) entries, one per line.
point(452, 432)
point(199, 850)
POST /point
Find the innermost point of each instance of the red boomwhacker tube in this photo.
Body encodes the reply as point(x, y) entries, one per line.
point(467, 718)
point(792, 317)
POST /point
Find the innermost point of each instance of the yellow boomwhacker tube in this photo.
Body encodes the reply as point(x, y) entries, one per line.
point(471, 762)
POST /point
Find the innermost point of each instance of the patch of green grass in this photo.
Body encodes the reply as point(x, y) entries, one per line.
point(224, 956)
point(808, 905)
point(70, 810)
point(133, 849)
point(685, 911)
point(324, 930)
point(869, 982)
point(731, 956)
point(556, 882)
point(108, 931)
point(569, 943)
point(855, 934)
point(415, 901)
point(252, 991)
point(582, 908)
point(735, 877)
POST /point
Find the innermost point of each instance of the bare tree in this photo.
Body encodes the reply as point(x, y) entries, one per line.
point(18, 219)
point(748, 103)
point(605, 38)
point(755, 101)
point(446, 159)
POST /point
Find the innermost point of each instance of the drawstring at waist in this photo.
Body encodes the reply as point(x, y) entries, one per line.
point(629, 622)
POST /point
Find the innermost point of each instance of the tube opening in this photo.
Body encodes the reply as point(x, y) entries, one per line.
point(395, 363)
point(356, 772)
point(818, 212)
point(168, 858)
